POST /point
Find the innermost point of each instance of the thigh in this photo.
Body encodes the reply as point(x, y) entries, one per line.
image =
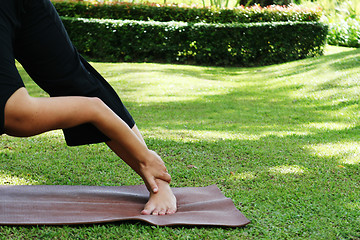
point(47, 54)
point(10, 79)
point(44, 49)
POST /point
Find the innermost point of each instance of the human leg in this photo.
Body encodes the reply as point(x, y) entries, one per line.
point(54, 64)
point(28, 116)
point(10, 79)
point(44, 49)
point(161, 203)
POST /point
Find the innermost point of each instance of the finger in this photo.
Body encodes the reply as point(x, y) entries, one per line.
point(166, 177)
point(152, 184)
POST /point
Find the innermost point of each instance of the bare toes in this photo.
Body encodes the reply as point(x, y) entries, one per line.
point(162, 212)
point(148, 210)
point(171, 211)
point(145, 212)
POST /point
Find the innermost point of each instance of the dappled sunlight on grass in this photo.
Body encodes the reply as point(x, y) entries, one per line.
point(329, 49)
point(353, 206)
point(324, 78)
point(242, 176)
point(328, 125)
point(341, 85)
point(285, 133)
point(170, 84)
point(7, 179)
point(8, 143)
point(209, 135)
point(294, 169)
point(282, 141)
point(55, 134)
point(196, 135)
point(215, 102)
point(344, 152)
point(276, 170)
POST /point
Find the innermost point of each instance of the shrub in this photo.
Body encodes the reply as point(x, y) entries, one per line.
point(343, 19)
point(165, 13)
point(235, 44)
point(345, 32)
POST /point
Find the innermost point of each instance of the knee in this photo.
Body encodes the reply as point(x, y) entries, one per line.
point(96, 105)
point(96, 102)
point(18, 114)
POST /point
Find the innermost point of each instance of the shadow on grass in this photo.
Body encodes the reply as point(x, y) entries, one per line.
point(337, 61)
point(275, 181)
point(277, 145)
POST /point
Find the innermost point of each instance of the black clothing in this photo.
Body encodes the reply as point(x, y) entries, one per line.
point(32, 33)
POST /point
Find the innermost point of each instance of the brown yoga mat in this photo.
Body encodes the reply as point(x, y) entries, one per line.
point(67, 205)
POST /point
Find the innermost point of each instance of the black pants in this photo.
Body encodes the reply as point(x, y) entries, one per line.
point(32, 32)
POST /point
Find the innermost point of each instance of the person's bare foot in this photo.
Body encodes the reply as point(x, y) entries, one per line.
point(161, 203)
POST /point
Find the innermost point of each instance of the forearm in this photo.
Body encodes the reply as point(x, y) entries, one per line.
point(130, 147)
point(28, 116)
point(118, 131)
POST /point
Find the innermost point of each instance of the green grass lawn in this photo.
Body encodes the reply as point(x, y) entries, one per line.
point(282, 141)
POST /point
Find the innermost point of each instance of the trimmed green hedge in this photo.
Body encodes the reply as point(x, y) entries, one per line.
point(236, 44)
point(166, 13)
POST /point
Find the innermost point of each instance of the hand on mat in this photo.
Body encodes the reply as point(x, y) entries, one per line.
point(161, 203)
point(153, 168)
